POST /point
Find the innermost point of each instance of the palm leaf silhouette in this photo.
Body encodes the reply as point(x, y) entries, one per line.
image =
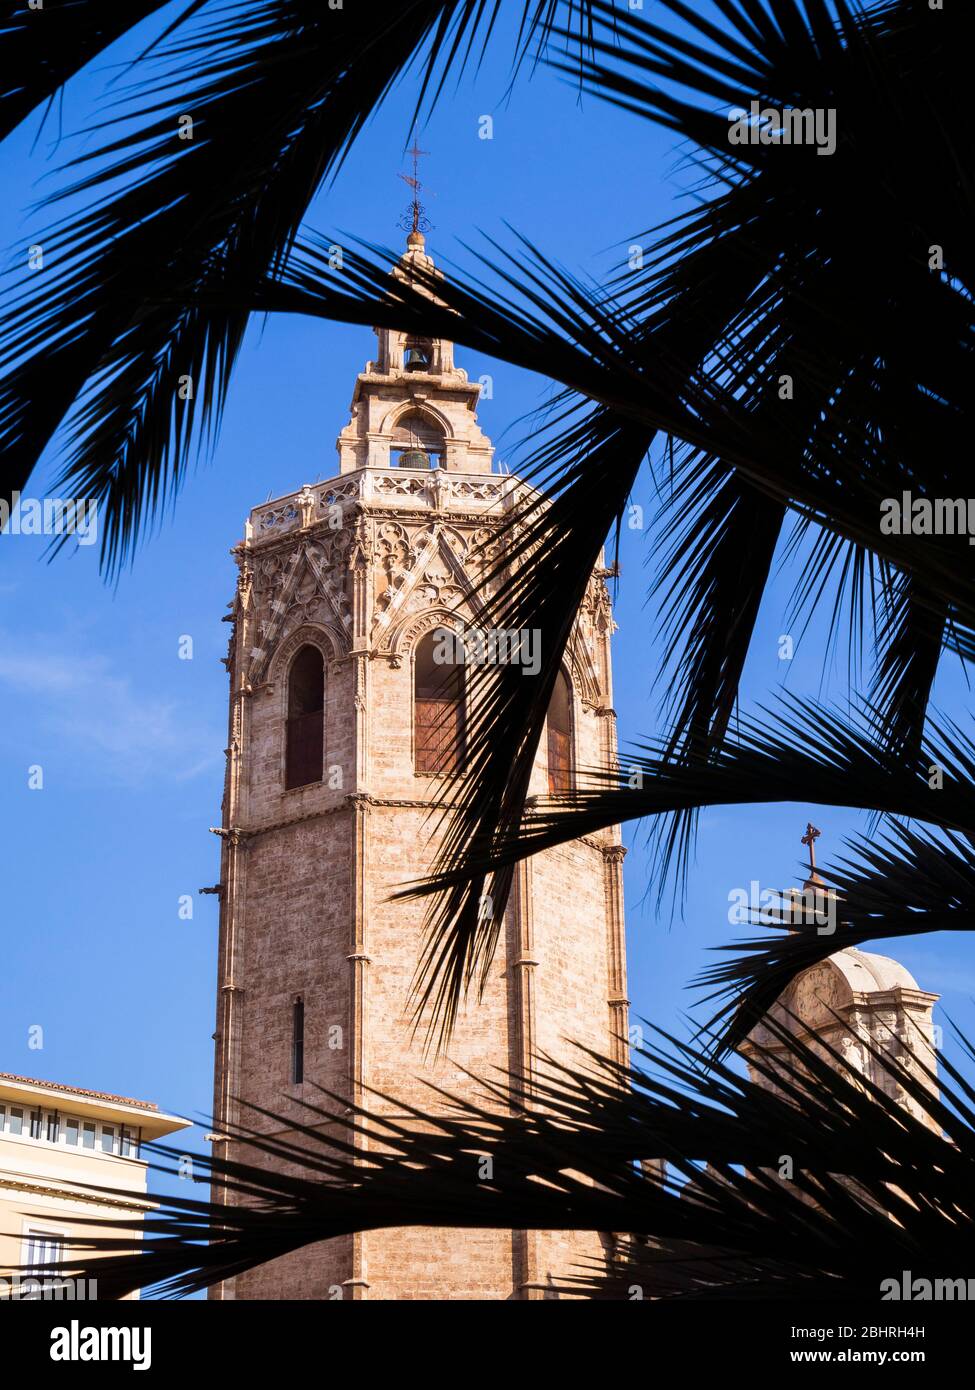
point(721, 1222)
point(848, 277)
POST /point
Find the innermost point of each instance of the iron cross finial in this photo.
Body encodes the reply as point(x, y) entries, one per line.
point(416, 217)
point(810, 838)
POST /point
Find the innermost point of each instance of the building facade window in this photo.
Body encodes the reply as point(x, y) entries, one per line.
point(298, 1042)
point(43, 1250)
point(52, 1127)
point(306, 719)
point(559, 720)
point(438, 709)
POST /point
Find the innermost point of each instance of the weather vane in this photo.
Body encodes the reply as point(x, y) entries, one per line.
point(810, 838)
point(416, 219)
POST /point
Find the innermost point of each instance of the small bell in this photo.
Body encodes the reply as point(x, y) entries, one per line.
point(417, 360)
point(414, 458)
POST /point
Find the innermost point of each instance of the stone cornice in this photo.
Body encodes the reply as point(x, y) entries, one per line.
point(239, 835)
point(66, 1194)
point(844, 1028)
point(367, 492)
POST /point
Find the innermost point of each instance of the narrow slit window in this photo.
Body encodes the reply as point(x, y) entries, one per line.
point(306, 719)
point(438, 708)
point(298, 1042)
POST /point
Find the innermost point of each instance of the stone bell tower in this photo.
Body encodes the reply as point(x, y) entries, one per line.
point(338, 739)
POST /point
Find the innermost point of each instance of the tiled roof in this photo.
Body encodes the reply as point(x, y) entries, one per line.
point(80, 1091)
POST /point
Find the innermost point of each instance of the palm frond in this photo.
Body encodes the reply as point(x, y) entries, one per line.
point(843, 327)
point(277, 91)
point(798, 744)
point(877, 1188)
point(588, 345)
point(906, 883)
point(41, 49)
point(912, 641)
point(649, 374)
point(836, 761)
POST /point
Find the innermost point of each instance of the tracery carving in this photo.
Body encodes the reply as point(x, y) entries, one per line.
point(407, 634)
point(308, 585)
point(401, 485)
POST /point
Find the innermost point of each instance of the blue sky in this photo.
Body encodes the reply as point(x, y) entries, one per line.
point(131, 738)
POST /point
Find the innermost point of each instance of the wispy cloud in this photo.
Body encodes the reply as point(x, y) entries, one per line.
point(80, 707)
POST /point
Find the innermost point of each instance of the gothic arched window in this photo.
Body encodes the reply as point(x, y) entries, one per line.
point(418, 442)
point(559, 720)
point(438, 705)
point(306, 719)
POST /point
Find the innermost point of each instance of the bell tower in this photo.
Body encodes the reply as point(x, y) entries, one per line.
point(339, 736)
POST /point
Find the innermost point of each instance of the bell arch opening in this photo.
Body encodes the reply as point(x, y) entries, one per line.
point(418, 442)
point(418, 355)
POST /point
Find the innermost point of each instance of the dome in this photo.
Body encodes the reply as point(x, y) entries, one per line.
point(868, 973)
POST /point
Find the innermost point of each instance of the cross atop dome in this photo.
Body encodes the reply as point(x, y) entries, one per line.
point(863, 1006)
point(810, 838)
